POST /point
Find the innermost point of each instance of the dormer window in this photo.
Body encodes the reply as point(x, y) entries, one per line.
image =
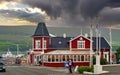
point(81, 44)
point(60, 42)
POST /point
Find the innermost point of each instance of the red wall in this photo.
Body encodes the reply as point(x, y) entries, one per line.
point(106, 50)
point(40, 38)
point(74, 42)
point(31, 59)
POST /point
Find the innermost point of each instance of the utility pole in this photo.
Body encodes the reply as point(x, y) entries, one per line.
point(17, 49)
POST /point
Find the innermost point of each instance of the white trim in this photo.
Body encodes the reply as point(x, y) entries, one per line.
point(55, 58)
point(37, 46)
point(104, 53)
point(80, 44)
point(74, 57)
point(65, 52)
point(80, 36)
point(33, 43)
point(80, 49)
point(107, 41)
point(70, 46)
point(45, 44)
point(80, 57)
point(84, 57)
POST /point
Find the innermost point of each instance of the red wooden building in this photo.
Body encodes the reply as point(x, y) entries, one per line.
point(53, 51)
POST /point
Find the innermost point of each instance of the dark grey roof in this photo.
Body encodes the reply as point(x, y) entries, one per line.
point(104, 43)
point(60, 42)
point(63, 43)
point(41, 30)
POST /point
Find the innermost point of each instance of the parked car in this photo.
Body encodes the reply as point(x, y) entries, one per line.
point(2, 67)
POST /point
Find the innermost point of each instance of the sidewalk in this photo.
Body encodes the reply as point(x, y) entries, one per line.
point(57, 69)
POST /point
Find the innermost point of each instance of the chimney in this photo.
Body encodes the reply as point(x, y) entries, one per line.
point(64, 35)
point(86, 35)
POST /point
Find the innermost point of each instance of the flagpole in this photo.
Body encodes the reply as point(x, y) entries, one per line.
point(91, 51)
point(110, 45)
point(96, 40)
point(99, 33)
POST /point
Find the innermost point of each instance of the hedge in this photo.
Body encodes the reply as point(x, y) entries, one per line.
point(81, 69)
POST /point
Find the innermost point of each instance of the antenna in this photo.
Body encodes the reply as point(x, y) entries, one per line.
point(81, 31)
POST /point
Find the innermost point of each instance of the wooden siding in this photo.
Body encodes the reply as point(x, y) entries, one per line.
point(40, 38)
point(74, 43)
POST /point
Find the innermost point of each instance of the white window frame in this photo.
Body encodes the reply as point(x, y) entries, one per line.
point(45, 44)
point(37, 44)
point(107, 55)
point(81, 44)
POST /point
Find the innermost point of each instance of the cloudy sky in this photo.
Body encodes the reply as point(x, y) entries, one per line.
point(61, 13)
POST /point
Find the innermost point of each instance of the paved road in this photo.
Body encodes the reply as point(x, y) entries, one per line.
point(22, 70)
point(36, 70)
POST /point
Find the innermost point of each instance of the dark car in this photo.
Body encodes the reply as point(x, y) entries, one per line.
point(2, 67)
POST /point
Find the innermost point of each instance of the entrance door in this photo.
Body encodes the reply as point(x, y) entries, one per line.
point(106, 56)
point(36, 59)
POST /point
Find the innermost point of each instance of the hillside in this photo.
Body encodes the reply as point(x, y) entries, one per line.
point(10, 36)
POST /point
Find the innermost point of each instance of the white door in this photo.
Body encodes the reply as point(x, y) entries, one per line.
point(36, 59)
point(106, 56)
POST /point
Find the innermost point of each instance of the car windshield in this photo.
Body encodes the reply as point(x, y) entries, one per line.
point(1, 64)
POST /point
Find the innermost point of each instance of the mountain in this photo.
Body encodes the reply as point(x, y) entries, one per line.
point(10, 36)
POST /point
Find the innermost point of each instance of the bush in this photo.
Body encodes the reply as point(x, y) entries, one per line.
point(103, 61)
point(81, 69)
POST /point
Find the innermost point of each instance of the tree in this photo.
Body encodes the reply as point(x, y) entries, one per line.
point(118, 53)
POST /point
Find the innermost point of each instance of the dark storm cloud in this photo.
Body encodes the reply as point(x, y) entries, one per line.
point(73, 11)
point(88, 8)
point(110, 16)
point(76, 12)
point(52, 8)
point(55, 8)
point(92, 8)
point(6, 0)
point(32, 17)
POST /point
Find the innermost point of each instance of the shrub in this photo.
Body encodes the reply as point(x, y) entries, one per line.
point(92, 68)
point(81, 69)
point(103, 61)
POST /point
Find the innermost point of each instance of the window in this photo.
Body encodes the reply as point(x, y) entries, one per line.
point(56, 58)
point(45, 44)
point(53, 58)
point(75, 58)
point(81, 44)
point(86, 58)
point(37, 42)
point(49, 58)
point(78, 57)
point(63, 57)
point(82, 58)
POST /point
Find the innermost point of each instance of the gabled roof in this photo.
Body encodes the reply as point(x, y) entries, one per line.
point(63, 43)
point(104, 43)
point(41, 30)
point(81, 36)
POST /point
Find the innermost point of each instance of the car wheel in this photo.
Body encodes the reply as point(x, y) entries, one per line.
point(4, 70)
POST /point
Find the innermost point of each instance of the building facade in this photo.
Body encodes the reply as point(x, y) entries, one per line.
point(53, 51)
